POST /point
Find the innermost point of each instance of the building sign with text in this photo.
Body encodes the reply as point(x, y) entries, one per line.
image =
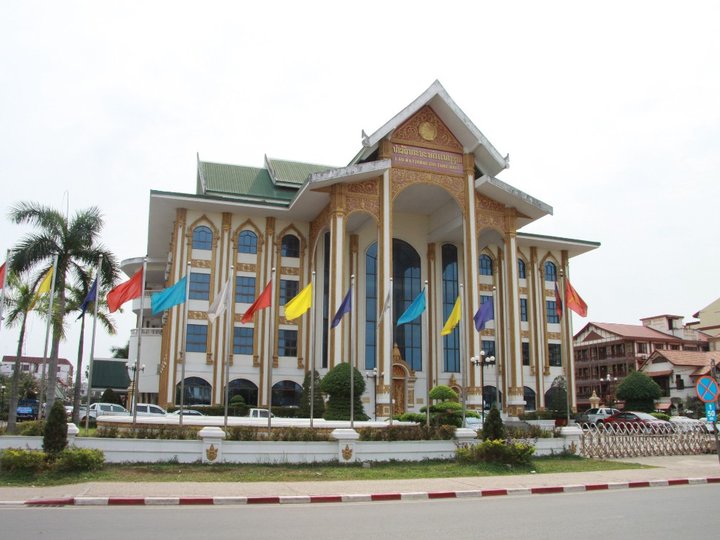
point(427, 159)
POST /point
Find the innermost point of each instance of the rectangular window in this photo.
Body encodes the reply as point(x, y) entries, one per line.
point(244, 289)
point(199, 286)
point(554, 353)
point(488, 346)
point(288, 290)
point(523, 310)
point(196, 338)
point(526, 353)
point(642, 348)
point(679, 383)
point(243, 340)
point(287, 343)
point(552, 316)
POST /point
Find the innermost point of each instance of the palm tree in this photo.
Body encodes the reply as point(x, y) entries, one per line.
point(18, 300)
point(75, 242)
point(77, 295)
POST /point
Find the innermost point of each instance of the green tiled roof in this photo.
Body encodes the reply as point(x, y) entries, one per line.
point(110, 374)
point(235, 180)
point(292, 172)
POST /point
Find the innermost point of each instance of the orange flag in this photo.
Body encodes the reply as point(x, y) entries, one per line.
point(132, 288)
point(573, 300)
point(261, 302)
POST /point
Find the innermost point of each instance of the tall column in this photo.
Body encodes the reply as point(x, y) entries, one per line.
point(262, 318)
point(513, 355)
point(339, 275)
point(568, 358)
point(384, 273)
point(219, 354)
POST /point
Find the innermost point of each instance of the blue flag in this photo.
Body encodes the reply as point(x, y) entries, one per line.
point(484, 314)
point(414, 310)
point(172, 296)
point(344, 308)
point(92, 293)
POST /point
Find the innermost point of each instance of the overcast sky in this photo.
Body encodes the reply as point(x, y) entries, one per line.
point(610, 113)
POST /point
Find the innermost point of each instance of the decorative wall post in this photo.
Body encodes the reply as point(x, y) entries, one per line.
point(212, 438)
point(346, 444)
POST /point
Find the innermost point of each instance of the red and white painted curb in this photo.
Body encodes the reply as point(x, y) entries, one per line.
point(410, 496)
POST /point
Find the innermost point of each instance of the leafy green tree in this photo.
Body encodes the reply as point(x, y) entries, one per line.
point(557, 397)
point(55, 432)
point(76, 296)
point(18, 301)
point(493, 427)
point(639, 392)
point(446, 411)
point(336, 384)
point(121, 352)
point(110, 396)
point(75, 242)
point(318, 403)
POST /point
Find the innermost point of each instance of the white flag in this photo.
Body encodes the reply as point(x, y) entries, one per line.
point(220, 303)
point(386, 305)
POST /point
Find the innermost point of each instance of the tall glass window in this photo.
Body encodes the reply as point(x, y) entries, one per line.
point(371, 307)
point(247, 242)
point(523, 310)
point(288, 290)
point(199, 286)
point(526, 353)
point(202, 238)
point(554, 354)
point(287, 342)
point(550, 271)
point(244, 289)
point(552, 314)
point(488, 345)
point(521, 269)
point(450, 290)
point(486, 268)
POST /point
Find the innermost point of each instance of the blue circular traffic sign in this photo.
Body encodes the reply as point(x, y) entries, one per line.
point(707, 389)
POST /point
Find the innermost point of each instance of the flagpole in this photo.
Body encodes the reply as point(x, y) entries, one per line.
point(564, 334)
point(41, 408)
point(92, 342)
point(312, 354)
point(463, 367)
point(136, 374)
point(390, 345)
point(270, 347)
point(352, 355)
point(229, 334)
point(184, 343)
point(4, 285)
point(423, 333)
point(497, 357)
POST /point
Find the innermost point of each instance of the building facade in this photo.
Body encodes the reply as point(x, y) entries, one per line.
point(33, 365)
point(419, 208)
point(606, 352)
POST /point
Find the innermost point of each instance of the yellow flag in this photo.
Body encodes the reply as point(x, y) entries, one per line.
point(453, 319)
point(44, 288)
point(300, 304)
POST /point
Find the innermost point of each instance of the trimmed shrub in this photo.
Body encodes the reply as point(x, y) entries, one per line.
point(80, 459)
point(527, 432)
point(407, 433)
point(443, 393)
point(34, 428)
point(110, 396)
point(661, 416)
point(336, 384)
point(298, 434)
point(55, 433)
point(412, 417)
point(21, 460)
point(493, 427)
point(639, 392)
point(495, 451)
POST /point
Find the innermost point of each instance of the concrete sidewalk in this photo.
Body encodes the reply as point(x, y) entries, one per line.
point(666, 471)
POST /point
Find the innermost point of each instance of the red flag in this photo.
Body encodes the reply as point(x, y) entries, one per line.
point(558, 302)
point(132, 288)
point(261, 302)
point(573, 300)
point(2, 274)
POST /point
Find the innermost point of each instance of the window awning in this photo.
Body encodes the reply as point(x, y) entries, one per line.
point(664, 373)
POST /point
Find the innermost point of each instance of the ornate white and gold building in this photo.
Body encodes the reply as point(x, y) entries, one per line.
point(419, 206)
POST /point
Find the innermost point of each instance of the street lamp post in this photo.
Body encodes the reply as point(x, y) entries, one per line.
point(483, 361)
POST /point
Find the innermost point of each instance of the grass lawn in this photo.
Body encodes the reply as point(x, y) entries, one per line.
point(174, 472)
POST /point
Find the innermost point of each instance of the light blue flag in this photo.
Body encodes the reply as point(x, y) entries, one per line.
point(414, 310)
point(172, 296)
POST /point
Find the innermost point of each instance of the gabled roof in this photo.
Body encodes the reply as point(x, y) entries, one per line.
point(685, 358)
point(473, 141)
point(235, 181)
point(291, 174)
point(633, 331)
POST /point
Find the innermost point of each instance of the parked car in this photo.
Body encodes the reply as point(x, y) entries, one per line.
point(592, 416)
point(186, 412)
point(638, 422)
point(683, 424)
point(149, 409)
point(102, 409)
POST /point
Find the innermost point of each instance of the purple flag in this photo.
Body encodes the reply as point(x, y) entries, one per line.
point(344, 308)
point(484, 314)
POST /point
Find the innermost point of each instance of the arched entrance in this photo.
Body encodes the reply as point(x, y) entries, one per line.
point(197, 392)
point(247, 389)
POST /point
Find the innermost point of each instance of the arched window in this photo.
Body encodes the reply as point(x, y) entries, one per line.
point(247, 389)
point(247, 242)
point(197, 392)
point(486, 265)
point(290, 246)
point(286, 394)
point(521, 269)
point(406, 287)
point(202, 238)
point(529, 397)
point(450, 290)
point(550, 271)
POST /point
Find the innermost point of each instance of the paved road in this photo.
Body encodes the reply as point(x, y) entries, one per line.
point(676, 512)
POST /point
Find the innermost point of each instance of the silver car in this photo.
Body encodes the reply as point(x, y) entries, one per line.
point(592, 416)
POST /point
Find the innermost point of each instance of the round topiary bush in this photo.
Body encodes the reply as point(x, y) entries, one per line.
point(336, 384)
point(55, 434)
